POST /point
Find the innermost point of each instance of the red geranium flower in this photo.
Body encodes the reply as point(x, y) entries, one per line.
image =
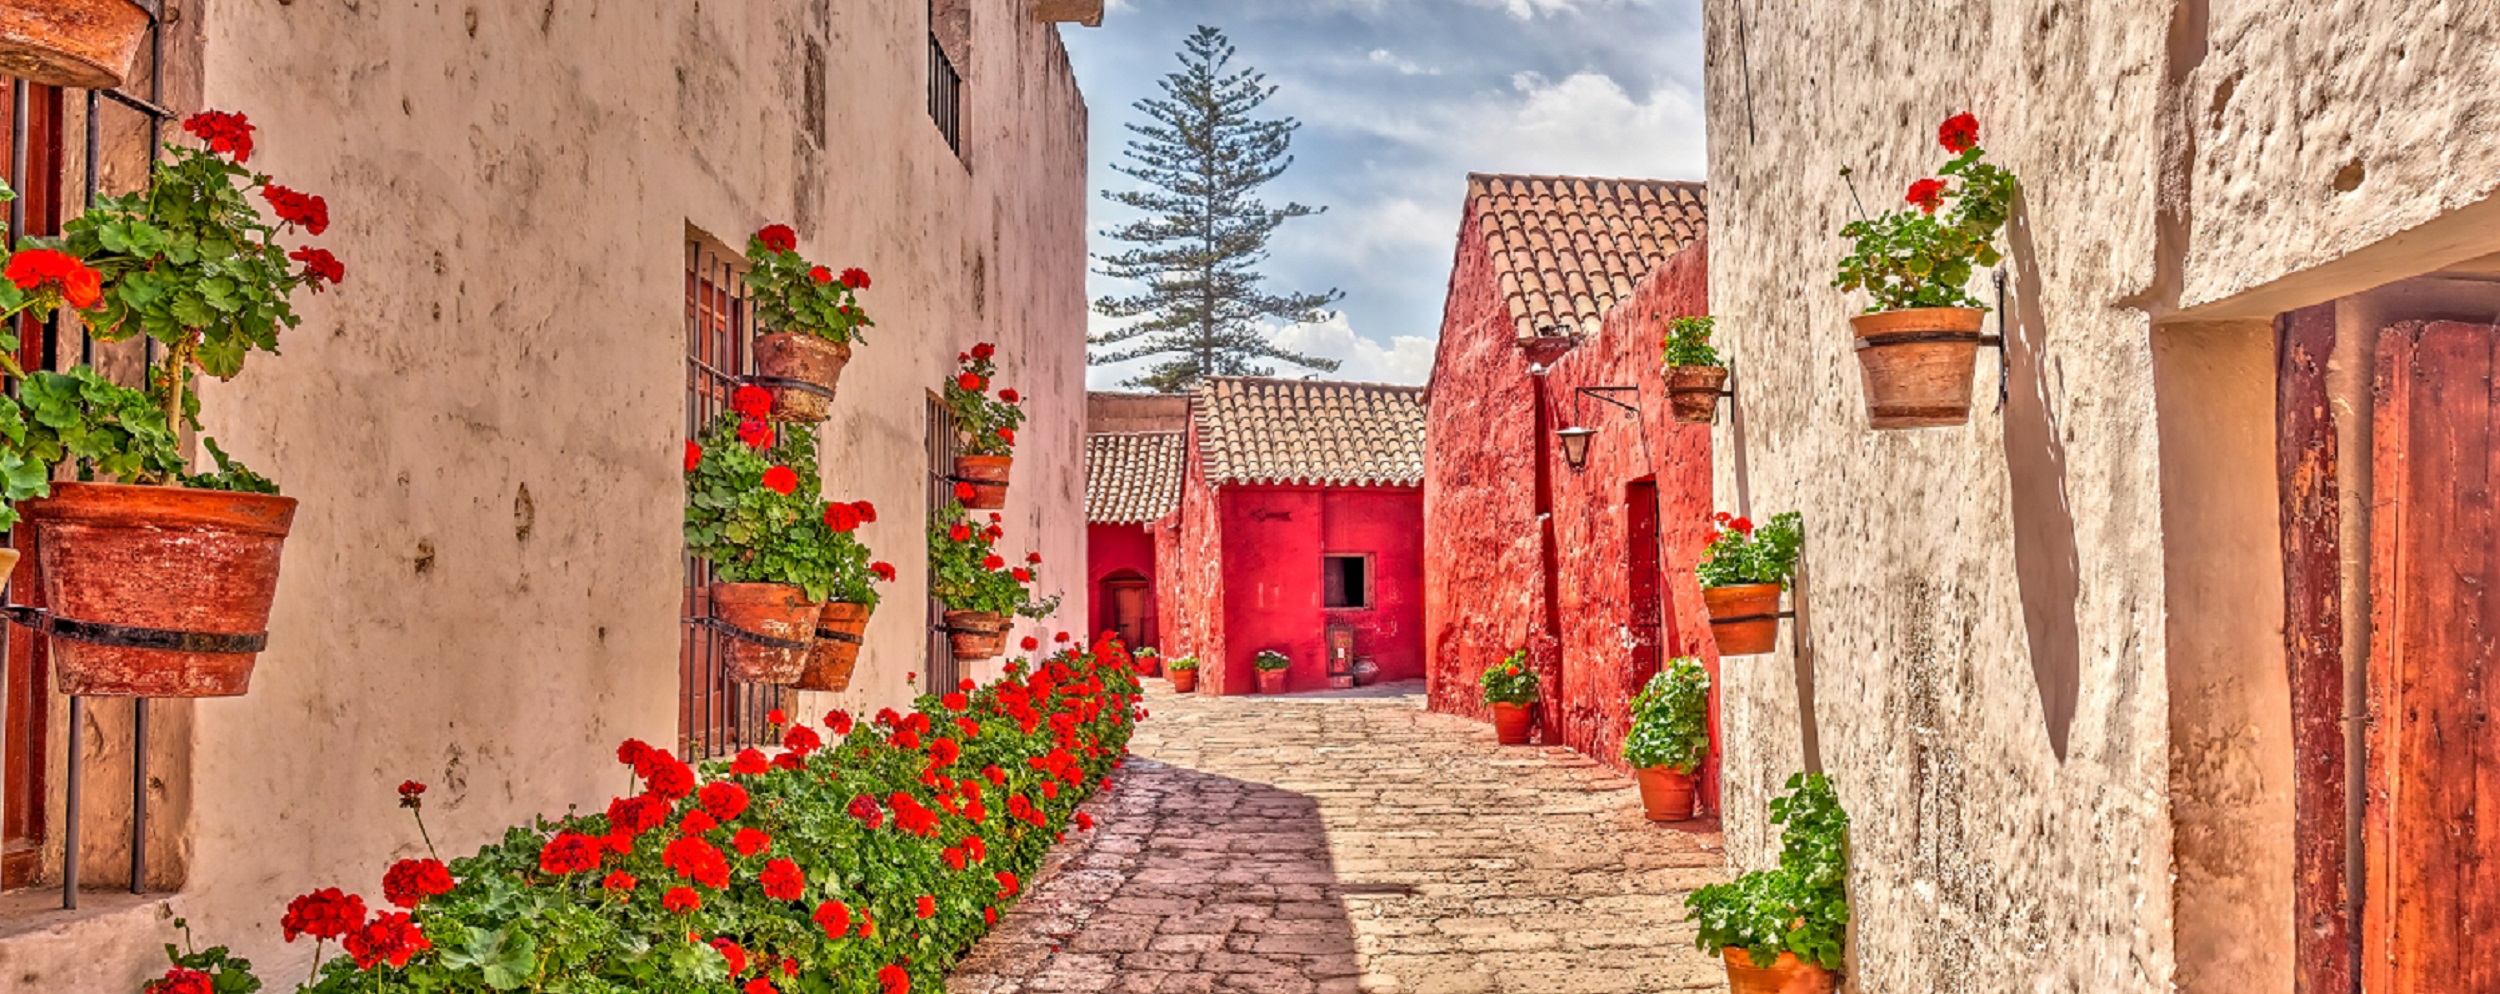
point(327, 913)
point(181, 981)
point(989, 916)
point(636, 815)
point(820, 274)
point(619, 882)
point(391, 936)
point(1011, 396)
point(894, 980)
point(960, 532)
point(750, 842)
point(867, 922)
point(984, 350)
point(1007, 435)
point(926, 907)
point(782, 880)
point(731, 951)
point(801, 739)
point(301, 209)
point(884, 571)
point(1007, 884)
point(1084, 822)
point(838, 719)
point(749, 763)
point(833, 918)
point(697, 860)
point(1023, 575)
point(1061, 637)
point(1033, 557)
point(756, 434)
point(1928, 194)
point(759, 985)
point(776, 717)
point(867, 512)
point(411, 794)
point(969, 381)
point(864, 808)
point(963, 491)
point(752, 401)
point(681, 900)
point(778, 238)
point(992, 561)
point(1959, 133)
point(781, 480)
point(722, 800)
point(1744, 525)
point(226, 134)
point(841, 517)
point(696, 823)
point(567, 853)
point(855, 278)
point(694, 455)
point(954, 701)
point(57, 272)
point(410, 881)
point(319, 266)
point(1030, 643)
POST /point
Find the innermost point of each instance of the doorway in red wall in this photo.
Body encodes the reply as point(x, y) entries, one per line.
point(1648, 621)
point(1124, 596)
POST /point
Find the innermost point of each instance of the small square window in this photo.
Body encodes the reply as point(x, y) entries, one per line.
point(1348, 581)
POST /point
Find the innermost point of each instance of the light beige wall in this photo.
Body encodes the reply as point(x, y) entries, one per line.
point(1997, 634)
point(484, 423)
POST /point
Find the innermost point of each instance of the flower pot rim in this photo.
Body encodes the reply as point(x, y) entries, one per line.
point(1876, 324)
point(809, 337)
point(129, 504)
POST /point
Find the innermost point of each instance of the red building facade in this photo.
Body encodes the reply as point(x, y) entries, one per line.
point(1561, 284)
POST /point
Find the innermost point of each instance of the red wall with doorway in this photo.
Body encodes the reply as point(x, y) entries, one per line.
point(1388, 524)
point(1275, 539)
point(1112, 550)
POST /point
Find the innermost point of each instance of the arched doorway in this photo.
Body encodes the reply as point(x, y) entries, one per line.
point(1127, 600)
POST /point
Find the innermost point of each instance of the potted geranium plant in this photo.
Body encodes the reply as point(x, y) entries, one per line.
point(159, 581)
point(1919, 337)
point(812, 316)
point(980, 590)
point(84, 44)
point(1148, 663)
point(1184, 672)
point(1695, 376)
point(854, 597)
point(752, 510)
point(1781, 930)
point(1742, 573)
point(1670, 737)
point(1271, 666)
point(985, 429)
point(1510, 690)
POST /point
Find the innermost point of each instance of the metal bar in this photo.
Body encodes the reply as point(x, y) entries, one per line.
point(69, 820)
point(139, 795)
point(19, 103)
point(147, 107)
point(95, 150)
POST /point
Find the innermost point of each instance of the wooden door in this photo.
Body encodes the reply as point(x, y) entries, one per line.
point(2431, 836)
point(1129, 611)
point(1648, 610)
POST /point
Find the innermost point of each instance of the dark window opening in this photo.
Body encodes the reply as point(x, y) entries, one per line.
point(1348, 581)
point(716, 714)
point(943, 671)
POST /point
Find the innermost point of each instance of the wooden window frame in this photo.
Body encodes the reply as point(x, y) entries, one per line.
point(1370, 601)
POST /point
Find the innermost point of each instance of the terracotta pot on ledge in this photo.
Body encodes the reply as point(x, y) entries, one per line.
point(1785, 975)
point(767, 630)
point(1510, 724)
point(836, 654)
point(976, 635)
point(190, 574)
point(1666, 795)
point(1693, 393)
point(807, 368)
point(84, 44)
point(1271, 681)
point(988, 477)
point(1759, 603)
point(1916, 365)
point(1184, 681)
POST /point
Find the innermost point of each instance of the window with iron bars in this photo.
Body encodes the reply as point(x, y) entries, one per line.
point(716, 713)
point(943, 671)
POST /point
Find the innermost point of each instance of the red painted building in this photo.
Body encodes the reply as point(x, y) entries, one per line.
point(1135, 450)
point(1299, 528)
point(1561, 284)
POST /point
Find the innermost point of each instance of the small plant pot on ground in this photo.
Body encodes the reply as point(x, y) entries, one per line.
point(1917, 364)
point(767, 630)
point(1510, 724)
point(1785, 975)
point(988, 477)
point(1149, 665)
point(1666, 795)
point(802, 371)
point(836, 654)
point(1184, 681)
point(1758, 604)
point(85, 44)
point(1693, 393)
point(976, 635)
point(1271, 681)
point(157, 591)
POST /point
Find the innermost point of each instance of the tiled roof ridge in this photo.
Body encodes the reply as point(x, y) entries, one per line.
point(1566, 249)
point(1133, 477)
point(1269, 430)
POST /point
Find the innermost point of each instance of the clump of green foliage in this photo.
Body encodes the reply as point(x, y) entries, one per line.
point(1509, 682)
point(1742, 553)
point(1688, 342)
point(1799, 907)
point(1671, 719)
point(1917, 257)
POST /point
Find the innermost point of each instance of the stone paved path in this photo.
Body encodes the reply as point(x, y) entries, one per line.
point(1314, 844)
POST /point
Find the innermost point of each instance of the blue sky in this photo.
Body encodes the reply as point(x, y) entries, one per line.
point(1400, 100)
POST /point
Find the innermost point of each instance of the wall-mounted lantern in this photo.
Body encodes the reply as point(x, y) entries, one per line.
point(1575, 439)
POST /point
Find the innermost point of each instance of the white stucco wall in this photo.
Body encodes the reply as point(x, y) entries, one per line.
point(2002, 614)
point(512, 186)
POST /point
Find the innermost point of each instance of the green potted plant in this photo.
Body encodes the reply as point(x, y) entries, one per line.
point(1742, 573)
point(1695, 376)
point(82, 44)
point(1148, 663)
point(812, 316)
point(1272, 666)
point(985, 429)
point(1919, 337)
point(1510, 690)
point(753, 511)
point(1670, 738)
point(979, 589)
point(1781, 930)
point(134, 541)
point(1184, 673)
point(854, 597)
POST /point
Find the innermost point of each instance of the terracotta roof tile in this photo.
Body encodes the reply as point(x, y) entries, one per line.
point(1565, 248)
point(1311, 432)
point(1133, 477)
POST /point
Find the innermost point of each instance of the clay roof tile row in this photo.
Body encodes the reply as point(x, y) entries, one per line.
point(1310, 432)
point(1566, 248)
point(1133, 477)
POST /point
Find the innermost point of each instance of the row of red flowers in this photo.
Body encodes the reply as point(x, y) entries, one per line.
point(864, 858)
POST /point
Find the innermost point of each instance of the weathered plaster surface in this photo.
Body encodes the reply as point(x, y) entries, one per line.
point(482, 588)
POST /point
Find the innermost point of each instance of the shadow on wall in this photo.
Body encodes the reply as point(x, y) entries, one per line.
point(2045, 561)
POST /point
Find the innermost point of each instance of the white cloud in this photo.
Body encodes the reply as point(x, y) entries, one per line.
point(1404, 66)
point(1406, 359)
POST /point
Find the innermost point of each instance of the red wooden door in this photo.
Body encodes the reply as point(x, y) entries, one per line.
point(1128, 612)
point(2431, 836)
point(1647, 624)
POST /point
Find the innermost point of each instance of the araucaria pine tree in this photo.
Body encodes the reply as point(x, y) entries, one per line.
point(1202, 153)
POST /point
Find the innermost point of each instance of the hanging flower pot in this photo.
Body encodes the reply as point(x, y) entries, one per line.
point(84, 44)
point(836, 653)
point(1693, 393)
point(976, 635)
point(767, 630)
point(157, 591)
point(1666, 795)
point(1750, 610)
point(1510, 724)
point(801, 370)
point(1917, 365)
point(1785, 975)
point(987, 478)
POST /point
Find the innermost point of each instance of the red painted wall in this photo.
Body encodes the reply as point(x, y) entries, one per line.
point(1274, 541)
point(1113, 549)
point(1195, 575)
point(1388, 524)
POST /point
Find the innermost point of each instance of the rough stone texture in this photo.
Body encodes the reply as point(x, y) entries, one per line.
point(1356, 843)
point(2046, 659)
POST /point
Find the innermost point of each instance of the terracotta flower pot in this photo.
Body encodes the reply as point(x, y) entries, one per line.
point(8, 563)
point(976, 634)
point(1665, 794)
point(808, 367)
point(1271, 681)
point(1693, 393)
point(1758, 602)
point(191, 573)
point(1149, 666)
point(836, 653)
point(988, 476)
point(86, 44)
point(1785, 975)
point(1916, 365)
point(1510, 724)
point(1184, 681)
point(767, 630)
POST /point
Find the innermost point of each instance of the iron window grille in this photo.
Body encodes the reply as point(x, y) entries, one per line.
point(946, 95)
point(943, 670)
point(716, 713)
